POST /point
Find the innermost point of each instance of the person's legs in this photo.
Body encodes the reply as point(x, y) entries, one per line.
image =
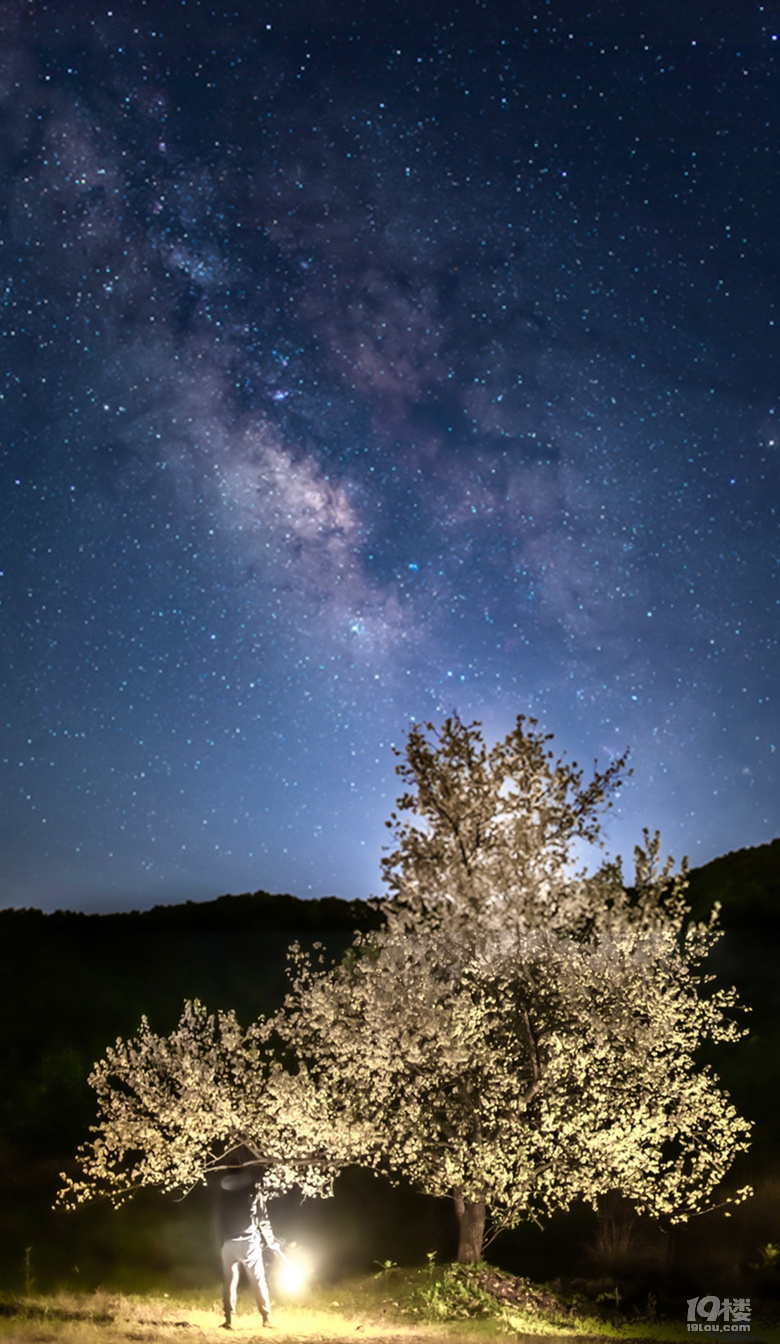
point(231, 1258)
point(253, 1263)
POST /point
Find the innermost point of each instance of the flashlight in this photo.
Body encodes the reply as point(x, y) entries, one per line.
point(291, 1277)
point(293, 1272)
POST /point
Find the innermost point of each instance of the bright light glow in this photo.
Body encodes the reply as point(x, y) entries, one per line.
point(291, 1276)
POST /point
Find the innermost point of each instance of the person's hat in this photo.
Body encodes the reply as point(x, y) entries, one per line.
point(236, 1180)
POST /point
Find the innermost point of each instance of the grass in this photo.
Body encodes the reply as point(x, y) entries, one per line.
point(437, 1305)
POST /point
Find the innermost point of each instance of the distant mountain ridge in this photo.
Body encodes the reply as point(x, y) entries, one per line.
point(749, 875)
point(252, 908)
point(742, 880)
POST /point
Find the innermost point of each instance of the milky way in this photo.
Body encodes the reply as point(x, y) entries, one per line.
point(358, 368)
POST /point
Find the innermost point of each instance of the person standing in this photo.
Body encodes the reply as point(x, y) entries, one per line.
point(245, 1230)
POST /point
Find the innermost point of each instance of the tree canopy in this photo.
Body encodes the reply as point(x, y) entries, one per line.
point(491, 833)
point(520, 1034)
point(516, 1076)
point(170, 1108)
point(523, 1034)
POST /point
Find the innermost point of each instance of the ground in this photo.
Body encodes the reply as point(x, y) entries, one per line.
point(441, 1305)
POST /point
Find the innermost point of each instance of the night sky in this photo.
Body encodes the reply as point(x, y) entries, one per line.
point(362, 363)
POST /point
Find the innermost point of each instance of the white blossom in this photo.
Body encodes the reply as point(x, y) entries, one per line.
point(171, 1107)
point(522, 1035)
point(518, 1035)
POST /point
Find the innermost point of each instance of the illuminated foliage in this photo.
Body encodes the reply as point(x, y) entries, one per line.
point(522, 1035)
point(171, 1107)
point(519, 1034)
point(491, 834)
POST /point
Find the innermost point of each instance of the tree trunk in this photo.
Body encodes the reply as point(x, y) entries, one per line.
point(471, 1224)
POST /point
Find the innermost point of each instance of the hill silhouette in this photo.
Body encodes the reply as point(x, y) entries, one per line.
point(71, 983)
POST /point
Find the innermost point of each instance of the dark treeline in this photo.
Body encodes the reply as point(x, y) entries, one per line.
point(71, 983)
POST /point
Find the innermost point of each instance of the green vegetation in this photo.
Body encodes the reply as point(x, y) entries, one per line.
point(471, 1304)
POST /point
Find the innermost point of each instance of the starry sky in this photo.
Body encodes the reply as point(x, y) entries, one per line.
point(362, 363)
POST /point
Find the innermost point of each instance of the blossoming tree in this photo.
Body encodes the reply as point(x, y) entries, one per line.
point(489, 835)
point(170, 1108)
point(517, 1036)
point(521, 1035)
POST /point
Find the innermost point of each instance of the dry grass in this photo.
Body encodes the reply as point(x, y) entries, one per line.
point(366, 1310)
point(103, 1318)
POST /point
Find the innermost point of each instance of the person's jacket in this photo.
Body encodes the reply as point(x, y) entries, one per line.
point(243, 1214)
